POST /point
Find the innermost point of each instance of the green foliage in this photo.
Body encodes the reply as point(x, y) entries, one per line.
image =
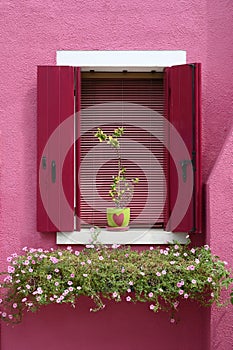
point(159, 277)
point(121, 190)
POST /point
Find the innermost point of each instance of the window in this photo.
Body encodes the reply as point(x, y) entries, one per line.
point(133, 101)
point(56, 158)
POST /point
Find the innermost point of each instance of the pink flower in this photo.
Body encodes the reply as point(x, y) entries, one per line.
point(23, 300)
point(194, 281)
point(10, 317)
point(158, 274)
point(185, 254)
point(89, 261)
point(8, 279)
point(0, 301)
point(181, 291)
point(101, 257)
point(176, 304)
point(126, 255)
point(82, 263)
point(9, 259)
point(59, 253)
point(179, 284)
point(76, 253)
point(69, 248)
point(206, 247)
point(56, 284)
point(49, 277)
point(85, 275)
point(114, 295)
point(172, 262)
point(30, 270)
point(151, 248)
point(150, 295)
point(28, 286)
point(129, 290)
point(4, 314)
point(90, 246)
point(176, 246)
point(56, 270)
point(70, 283)
point(14, 305)
point(122, 270)
point(152, 307)
point(172, 320)
point(197, 261)
point(54, 260)
point(11, 269)
point(164, 272)
point(209, 279)
point(115, 246)
point(71, 289)
point(79, 287)
point(186, 296)
point(130, 283)
point(192, 250)
point(165, 252)
point(128, 298)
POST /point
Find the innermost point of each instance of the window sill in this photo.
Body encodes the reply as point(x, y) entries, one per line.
point(132, 236)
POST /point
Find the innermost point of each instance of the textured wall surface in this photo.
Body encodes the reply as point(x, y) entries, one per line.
point(31, 32)
point(220, 189)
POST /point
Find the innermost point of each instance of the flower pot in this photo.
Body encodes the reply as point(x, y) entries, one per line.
point(118, 217)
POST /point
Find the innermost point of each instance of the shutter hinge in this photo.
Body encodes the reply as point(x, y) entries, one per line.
point(192, 65)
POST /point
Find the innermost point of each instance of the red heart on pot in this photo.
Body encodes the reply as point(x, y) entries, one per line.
point(118, 219)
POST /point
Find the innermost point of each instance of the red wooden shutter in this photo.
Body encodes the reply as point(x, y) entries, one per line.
point(184, 176)
point(55, 156)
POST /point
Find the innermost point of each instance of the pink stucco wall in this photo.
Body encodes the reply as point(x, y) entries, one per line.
point(31, 32)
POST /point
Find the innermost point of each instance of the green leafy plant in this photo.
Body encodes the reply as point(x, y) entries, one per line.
point(161, 278)
point(122, 188)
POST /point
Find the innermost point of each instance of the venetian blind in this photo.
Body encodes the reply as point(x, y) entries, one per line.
point(137, 105)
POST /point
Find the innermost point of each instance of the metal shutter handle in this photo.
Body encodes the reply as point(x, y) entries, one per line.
point(184, 164)
point(53, 171)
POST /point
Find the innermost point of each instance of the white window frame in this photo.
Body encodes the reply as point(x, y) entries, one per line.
point(132, 61)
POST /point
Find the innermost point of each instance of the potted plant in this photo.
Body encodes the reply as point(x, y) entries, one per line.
point(121, 190)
